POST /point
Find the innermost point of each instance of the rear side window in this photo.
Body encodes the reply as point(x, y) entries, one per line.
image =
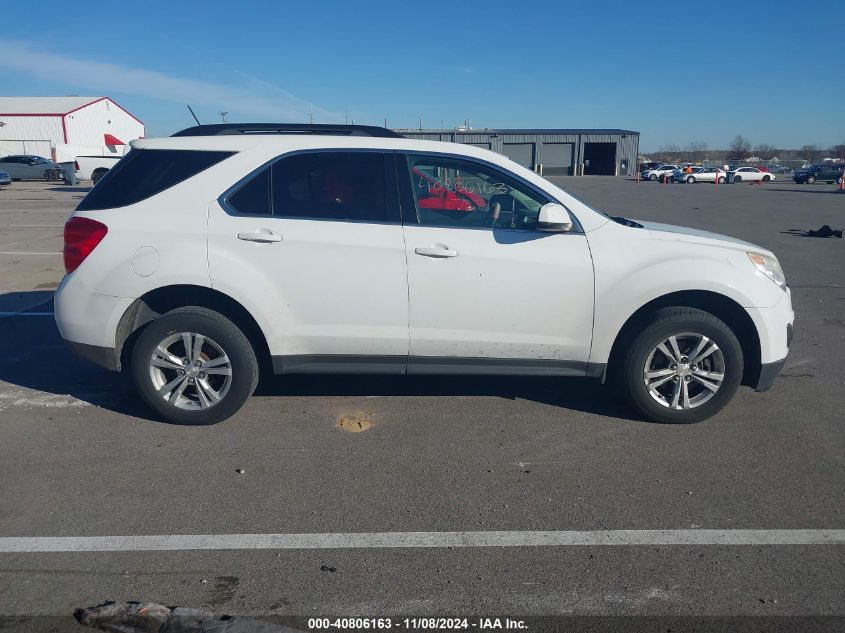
point(144, 173)
point(252, 197)
point(331, 186)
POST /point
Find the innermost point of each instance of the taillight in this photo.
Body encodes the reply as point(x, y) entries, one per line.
point(81, 237)
point(76, 165)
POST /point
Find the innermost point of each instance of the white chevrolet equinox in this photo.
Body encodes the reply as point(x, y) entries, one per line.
point(202, 258)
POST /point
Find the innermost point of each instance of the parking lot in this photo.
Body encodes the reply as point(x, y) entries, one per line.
point(81, 456)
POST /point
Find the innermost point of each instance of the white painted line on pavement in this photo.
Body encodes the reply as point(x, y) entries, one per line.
point(365, 540)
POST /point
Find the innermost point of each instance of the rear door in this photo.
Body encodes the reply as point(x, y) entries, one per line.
point(314, 244)
point(488, 292)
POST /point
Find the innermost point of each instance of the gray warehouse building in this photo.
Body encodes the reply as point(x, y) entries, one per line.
point(552, 152)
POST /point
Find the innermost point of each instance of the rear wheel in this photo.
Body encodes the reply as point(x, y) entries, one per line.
point(737, 178)
point(691, 180)
point(194, 366)
point(683, 367)
point(811, 180)
point(653, 177)
point(721, 180)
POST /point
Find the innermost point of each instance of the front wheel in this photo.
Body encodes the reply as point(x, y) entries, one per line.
point(653, 177)
point(194, 366)
point(691, 180)
point(766, 178)
point(811, 180)
point(683, 367)
point(721, 180)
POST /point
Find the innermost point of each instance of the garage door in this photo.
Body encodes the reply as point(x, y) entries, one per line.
point(558, 159)
point(521, 153)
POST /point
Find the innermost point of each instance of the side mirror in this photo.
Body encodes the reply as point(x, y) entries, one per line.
point(554, 218)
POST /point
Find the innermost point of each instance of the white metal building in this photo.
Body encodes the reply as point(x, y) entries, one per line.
point(63, 128)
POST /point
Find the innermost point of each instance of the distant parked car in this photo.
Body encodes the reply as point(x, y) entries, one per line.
point(658, 172)
point(829, 172)
point(649, 165)
point(702, 174)
point(27, 167)
point(5, 178)
point(780, 169)
point(88, 166)
point(751, 174)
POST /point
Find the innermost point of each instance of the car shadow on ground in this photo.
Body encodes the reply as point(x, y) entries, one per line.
point(29, 336)
point(809, 189)
point(79, 189)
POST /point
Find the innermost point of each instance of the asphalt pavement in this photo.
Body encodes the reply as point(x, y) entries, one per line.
point(81, 456)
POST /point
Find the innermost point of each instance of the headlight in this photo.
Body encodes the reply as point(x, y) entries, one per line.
point(770, 267)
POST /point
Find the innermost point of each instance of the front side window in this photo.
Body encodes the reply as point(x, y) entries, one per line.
point(331, 186)
point(453, 192)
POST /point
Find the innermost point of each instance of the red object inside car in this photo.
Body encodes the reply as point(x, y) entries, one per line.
point(437, 196)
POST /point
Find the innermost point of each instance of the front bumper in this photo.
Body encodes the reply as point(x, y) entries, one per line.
point(775, 328)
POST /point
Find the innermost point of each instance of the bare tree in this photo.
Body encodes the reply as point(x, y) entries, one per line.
point(740, 148)
point(669, 152)
point(695, 148)
point(766, 151)
point(838, 151)
point(811, 153)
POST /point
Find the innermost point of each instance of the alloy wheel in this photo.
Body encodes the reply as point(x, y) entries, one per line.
point(190, 371)
point(684, 371)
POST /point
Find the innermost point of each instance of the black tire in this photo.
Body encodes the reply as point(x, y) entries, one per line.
point(673, 321)
point(737, 178)
point(722, 180)
point(830, 182)
point(766, 178)
point(811, 180)
point(214, 326)
point(690, 180)
point(653, 177)
point(95, 177)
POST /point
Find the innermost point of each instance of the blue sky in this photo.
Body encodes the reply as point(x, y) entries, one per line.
point(676, 72)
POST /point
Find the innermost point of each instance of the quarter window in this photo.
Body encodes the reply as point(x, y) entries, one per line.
point(146, 172)
point(452, 192)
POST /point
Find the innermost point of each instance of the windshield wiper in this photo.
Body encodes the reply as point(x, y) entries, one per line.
point(626, 222)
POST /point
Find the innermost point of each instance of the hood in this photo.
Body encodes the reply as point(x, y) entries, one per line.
point(697, 236)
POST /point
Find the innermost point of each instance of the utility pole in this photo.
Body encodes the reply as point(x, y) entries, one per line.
point(421, 121)
point(385, 121)
point(310, 114)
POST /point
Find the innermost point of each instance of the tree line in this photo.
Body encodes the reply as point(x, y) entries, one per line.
point(741, 149)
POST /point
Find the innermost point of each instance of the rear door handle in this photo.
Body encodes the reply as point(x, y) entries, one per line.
point(263, 236)
point(436, 251)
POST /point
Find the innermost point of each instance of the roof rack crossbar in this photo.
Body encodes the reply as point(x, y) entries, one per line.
point(227, 129)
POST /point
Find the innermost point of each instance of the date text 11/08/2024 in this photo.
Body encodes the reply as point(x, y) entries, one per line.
point(413, 624)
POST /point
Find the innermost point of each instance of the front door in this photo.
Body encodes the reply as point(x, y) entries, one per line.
point(489, 293)
point(315, 242)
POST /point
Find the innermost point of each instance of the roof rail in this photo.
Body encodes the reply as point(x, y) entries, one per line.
point(226, 129)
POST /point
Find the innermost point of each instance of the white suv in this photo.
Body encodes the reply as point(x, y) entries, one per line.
point(202, 257)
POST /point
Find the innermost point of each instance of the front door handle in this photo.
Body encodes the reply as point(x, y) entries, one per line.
point(262, 237)
point(436, 251)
